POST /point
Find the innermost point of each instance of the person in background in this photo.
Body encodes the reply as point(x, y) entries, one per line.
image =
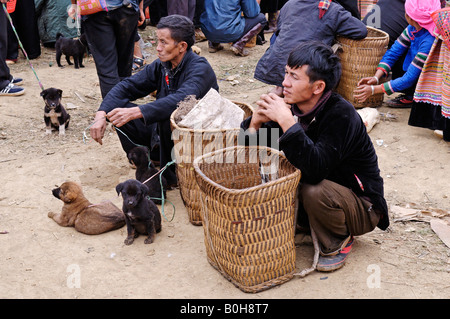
point(9, 86)
point(414, 43)
point(392, 21)
point(320, 133)
point(111, 38)
point(431, 107)
point(235, 21)
point(317, 20)
point(25, 22)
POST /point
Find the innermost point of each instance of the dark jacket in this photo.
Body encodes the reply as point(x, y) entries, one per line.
point(298, 22)
point(224, 21)
point(193, 76)
point(335, 146)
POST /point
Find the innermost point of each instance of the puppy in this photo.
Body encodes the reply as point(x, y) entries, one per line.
point(142, 216)
point(70, 48)
point(146, 169)
point(55, 115)
point(87, 218)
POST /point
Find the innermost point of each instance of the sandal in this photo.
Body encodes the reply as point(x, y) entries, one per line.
point(138, 64)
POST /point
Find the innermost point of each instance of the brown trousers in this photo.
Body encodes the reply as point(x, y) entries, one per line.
point(335, 213)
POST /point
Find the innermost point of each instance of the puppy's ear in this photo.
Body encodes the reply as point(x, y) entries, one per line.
point(144, 189)
point(69, 196)
point(119, 188)
point(44, 93)
point(59, 93)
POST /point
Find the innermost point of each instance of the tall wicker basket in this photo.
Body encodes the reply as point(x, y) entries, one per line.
point(190, 143)
point(359, 59)
point(248, 225)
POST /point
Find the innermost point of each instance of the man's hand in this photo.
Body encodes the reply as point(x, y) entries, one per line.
point(120, 116)
point(273, 107)
point(97, 129)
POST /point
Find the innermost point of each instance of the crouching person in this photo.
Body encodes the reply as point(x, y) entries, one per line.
point(341, 191)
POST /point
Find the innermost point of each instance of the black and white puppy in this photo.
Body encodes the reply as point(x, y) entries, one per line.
point(55, 115)
point(70, 48)
point(142, 216)
point(144, 170)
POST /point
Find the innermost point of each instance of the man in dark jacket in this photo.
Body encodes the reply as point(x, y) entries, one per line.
point(300, 21)
point(341, 190)
point(178, 73)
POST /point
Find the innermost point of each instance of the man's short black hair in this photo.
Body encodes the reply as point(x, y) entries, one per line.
point(181, 28)
point(323, 63)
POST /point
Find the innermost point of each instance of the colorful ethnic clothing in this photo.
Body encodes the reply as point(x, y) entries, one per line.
point(415, 45)
point(434, 82)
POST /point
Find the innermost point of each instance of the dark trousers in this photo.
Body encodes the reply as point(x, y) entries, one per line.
point(5, 76)
point(110, 37)
point(335, 213)
point(185, 8)
point(25, 21)
point(157, 137)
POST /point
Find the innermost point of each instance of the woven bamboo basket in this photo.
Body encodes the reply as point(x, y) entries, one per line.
point(248, 225)
point(190, 143)
point(359, 59)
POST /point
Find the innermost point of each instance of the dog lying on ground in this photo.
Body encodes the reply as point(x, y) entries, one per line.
point(144, 170)
point(142, 216)
point(55, 115)
point(87, 218)
point(70, 48)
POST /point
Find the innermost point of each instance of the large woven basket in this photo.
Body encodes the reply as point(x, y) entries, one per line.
point(248, 225)
point(190, 143)
point(359, 59)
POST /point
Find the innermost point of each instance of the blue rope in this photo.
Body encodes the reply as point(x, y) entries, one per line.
point(163, 200)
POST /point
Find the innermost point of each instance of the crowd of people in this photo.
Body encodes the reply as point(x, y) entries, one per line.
point(341, 190)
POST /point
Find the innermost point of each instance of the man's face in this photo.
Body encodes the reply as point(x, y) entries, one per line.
point(168, 49)
point(296, 85)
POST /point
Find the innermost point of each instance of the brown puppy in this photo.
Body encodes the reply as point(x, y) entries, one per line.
point(87, 218)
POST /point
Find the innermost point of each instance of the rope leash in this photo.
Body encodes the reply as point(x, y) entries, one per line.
point(21, 46)
point(163, 199)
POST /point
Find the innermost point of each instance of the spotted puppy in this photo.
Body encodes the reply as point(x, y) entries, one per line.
point(55, 115)
point(142, 216)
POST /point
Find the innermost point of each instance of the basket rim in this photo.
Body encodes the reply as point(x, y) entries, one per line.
point(186, 129)
point(385, 35)
point(246, 190)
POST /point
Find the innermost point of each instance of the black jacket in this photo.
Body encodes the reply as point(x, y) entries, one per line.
point(193, 76)
point(335, 146)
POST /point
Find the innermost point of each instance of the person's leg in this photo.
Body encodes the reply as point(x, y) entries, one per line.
point(252, 27)
point(5, 76)
point(336, 214)
point(7, 88)
point(125, 27)
point(166, 147)
point(101, 40)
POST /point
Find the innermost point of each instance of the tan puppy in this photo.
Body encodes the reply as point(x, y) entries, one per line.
point(87, 218)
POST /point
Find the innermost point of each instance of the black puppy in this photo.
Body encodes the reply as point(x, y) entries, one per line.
point(70, 47)
point(142, 216)
point(146, 169)
point(55, 114)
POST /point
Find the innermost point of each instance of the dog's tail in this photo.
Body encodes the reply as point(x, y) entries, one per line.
point(59, 35)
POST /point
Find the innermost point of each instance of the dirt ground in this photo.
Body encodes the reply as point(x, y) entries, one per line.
point(39, 259)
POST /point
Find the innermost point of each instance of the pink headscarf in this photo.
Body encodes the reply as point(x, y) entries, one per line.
point(421, 10)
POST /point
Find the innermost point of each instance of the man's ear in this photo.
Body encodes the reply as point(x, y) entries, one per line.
point(319, 87)
point(182, 45)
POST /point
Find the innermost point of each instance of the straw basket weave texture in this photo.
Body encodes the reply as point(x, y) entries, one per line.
point(190, 143)
point(248, 225)
point(359, 59)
